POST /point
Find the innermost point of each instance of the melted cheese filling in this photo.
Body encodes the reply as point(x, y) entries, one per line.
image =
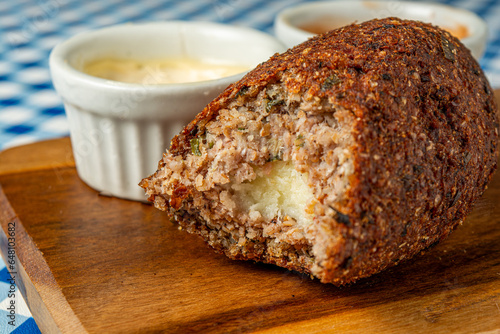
point(278, 191)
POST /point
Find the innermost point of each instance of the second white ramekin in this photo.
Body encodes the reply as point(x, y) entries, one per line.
point(289, 23)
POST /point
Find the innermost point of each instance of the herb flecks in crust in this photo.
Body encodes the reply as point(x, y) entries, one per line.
point(343, 156)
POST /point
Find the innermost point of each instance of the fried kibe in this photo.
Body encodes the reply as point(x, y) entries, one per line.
point(340, 157)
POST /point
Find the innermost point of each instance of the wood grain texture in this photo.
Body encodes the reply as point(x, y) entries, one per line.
point(96, 264)
point(49, 154)
point(39, 289)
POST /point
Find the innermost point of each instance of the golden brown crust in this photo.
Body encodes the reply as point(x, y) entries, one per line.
point(427, 142)
point(425, 135)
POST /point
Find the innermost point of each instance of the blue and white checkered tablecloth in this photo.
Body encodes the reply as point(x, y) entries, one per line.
point(30, 110)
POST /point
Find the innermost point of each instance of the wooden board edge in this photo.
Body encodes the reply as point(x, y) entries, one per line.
point(48, 154)
point(33, 277)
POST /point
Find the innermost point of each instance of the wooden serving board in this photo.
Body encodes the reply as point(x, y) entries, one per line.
point(92, 264)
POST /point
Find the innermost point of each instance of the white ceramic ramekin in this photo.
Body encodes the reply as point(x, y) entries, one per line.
point(289, 23)
point(120, 130)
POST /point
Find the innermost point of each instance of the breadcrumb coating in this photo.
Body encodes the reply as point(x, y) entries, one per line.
point(385, 132)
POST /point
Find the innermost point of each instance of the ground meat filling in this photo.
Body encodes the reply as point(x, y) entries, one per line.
point(340, 157)
point(263, 172)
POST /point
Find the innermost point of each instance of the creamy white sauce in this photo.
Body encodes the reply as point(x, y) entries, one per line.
point(161, 71)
